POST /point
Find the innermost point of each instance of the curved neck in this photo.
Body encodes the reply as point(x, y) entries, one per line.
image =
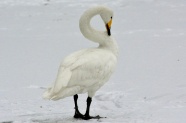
point(101, 37)
point(86, 29)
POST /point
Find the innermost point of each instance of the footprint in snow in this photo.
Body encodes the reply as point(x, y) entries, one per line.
point(114, 97)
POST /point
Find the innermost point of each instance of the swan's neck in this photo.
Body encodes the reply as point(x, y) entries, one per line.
point(94, 35)
point(111, 45)
point(87, 30)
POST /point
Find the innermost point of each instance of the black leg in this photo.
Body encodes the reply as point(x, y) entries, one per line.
point(89, 100)
point(77, 113)
point(87, 116)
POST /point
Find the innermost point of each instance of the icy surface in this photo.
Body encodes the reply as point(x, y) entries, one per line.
point(149, 85)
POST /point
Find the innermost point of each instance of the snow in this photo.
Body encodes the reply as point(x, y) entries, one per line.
point(147, 87)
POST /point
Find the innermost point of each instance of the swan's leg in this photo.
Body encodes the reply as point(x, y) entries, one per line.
point(89, 100)
point(77, 113)
point(87, 116)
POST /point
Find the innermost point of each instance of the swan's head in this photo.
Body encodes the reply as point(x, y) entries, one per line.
point(107, 16)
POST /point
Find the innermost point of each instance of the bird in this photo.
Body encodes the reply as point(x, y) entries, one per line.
point(87, 70)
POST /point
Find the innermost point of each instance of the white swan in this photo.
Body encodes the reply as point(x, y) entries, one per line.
point(89, 69)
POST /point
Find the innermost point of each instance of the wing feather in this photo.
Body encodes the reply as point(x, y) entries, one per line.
point(91, 68)
point(63, 77)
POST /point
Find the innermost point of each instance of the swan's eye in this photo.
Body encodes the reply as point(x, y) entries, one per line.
point(111, 17)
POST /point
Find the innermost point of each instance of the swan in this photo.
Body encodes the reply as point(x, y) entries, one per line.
point(89, 69)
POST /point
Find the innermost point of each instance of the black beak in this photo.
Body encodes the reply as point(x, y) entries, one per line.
point(108, 30)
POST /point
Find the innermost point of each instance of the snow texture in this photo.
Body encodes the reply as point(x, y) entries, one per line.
point(149, 85)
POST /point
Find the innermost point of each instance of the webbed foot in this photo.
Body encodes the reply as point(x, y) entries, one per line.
point(87, 117)
point(78, 115)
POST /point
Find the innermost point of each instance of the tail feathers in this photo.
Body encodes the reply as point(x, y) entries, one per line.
point(47, 94)
point(62, 79)
point(65, 92)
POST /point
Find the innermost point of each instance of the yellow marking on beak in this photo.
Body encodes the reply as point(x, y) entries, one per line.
point(109, 23)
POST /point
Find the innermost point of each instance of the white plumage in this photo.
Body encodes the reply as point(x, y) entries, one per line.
point(88, 69)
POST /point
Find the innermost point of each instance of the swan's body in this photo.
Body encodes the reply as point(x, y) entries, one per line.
point(89, 69)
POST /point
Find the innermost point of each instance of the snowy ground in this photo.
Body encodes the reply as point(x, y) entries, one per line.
point(149, 85)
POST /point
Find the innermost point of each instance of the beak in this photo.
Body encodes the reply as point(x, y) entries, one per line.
point(108, 26)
